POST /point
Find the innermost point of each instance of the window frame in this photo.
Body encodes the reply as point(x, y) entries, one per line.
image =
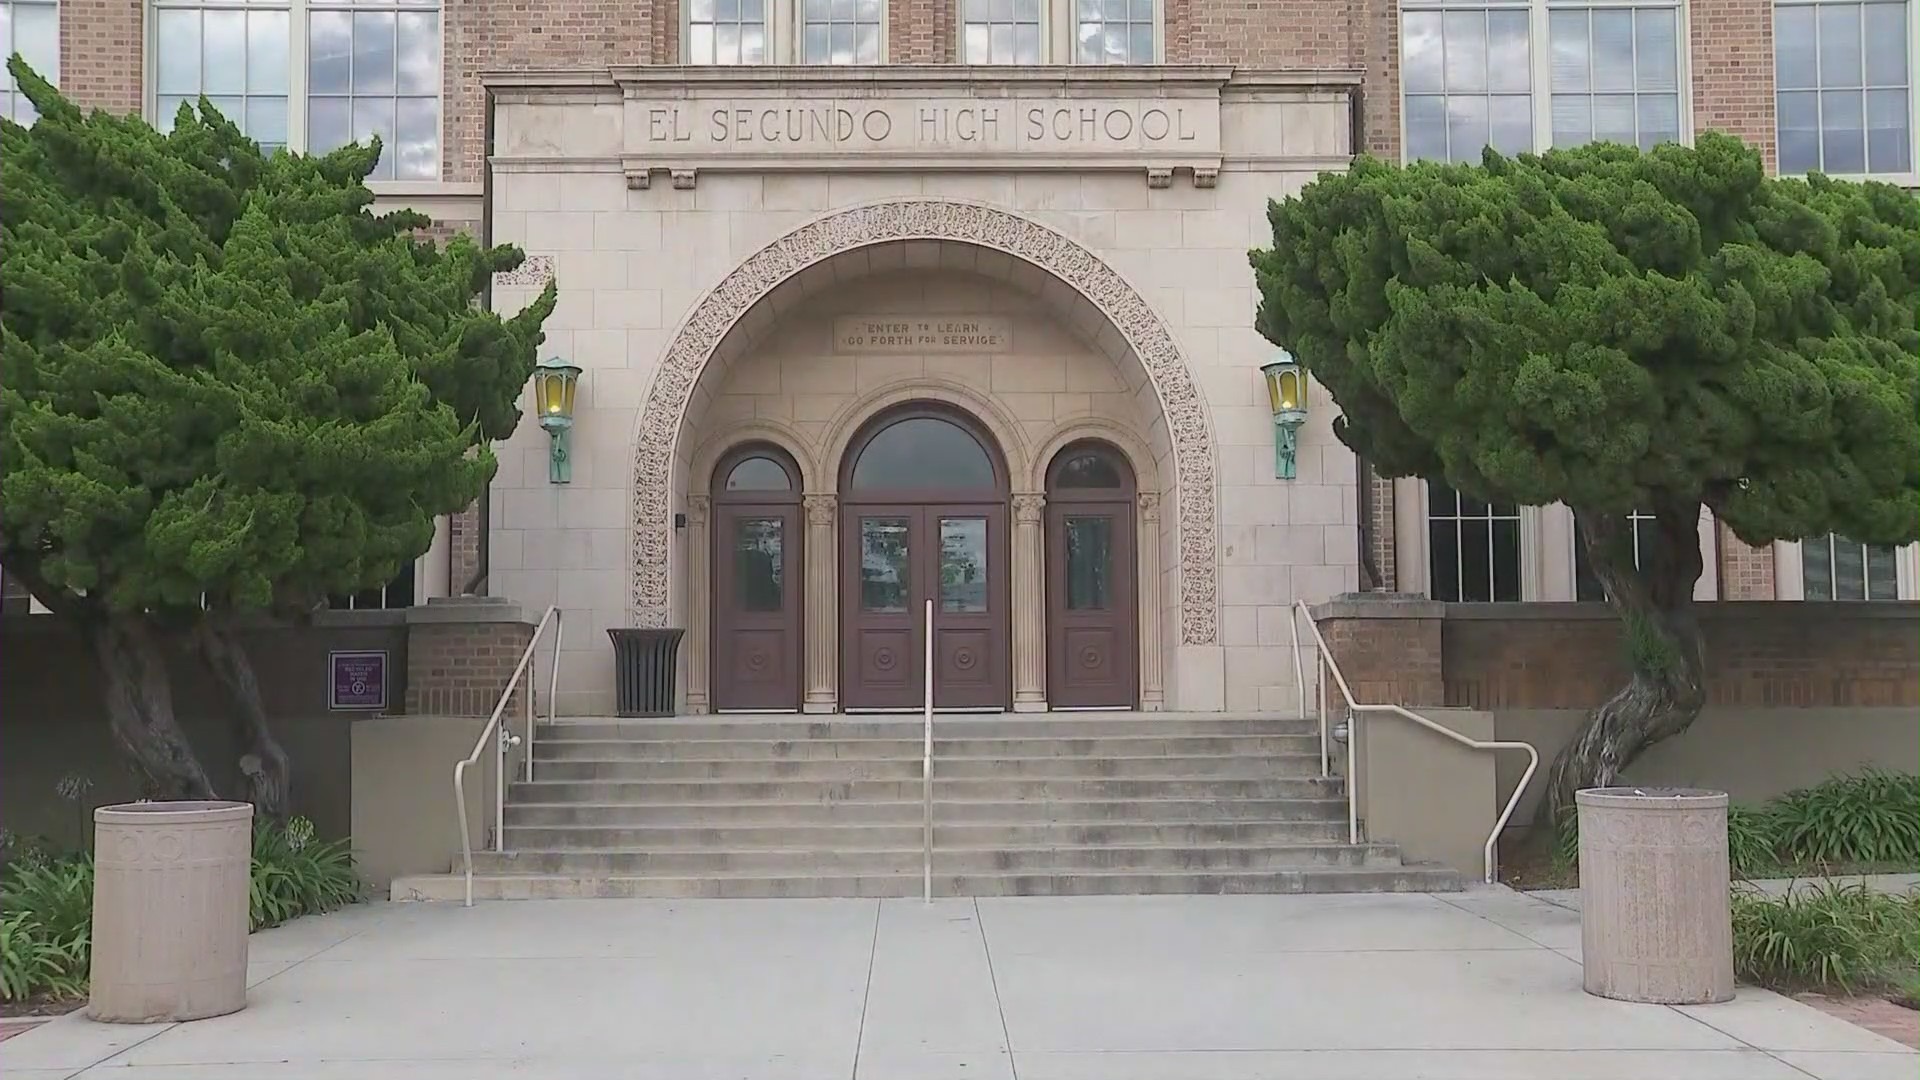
point(52, 75)
point(298, 29)
point(1412, 557)
point(1907, 179)
point(1540, 55)
point(785, 24)
point(1789, 576)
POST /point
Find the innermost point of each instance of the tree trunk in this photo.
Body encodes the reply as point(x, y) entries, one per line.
point(139, 699)
point(1667, 687)
point(263, 762)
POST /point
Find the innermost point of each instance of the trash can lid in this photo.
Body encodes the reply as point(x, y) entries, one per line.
point(1674, 797)
point(202, 809)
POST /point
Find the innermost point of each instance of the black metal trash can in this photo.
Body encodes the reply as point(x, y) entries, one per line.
point(644, 669)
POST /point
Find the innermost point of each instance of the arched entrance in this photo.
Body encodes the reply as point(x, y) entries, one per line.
point(1092, 614)
point(923, 493)
point(756, 581)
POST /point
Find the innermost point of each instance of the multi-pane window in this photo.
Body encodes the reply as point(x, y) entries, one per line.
point(32, 29)
point(372, 68)
point(236, 56)
point(840, 32)
point(1001, 32)
point(1616, 75)
point(727, 32)
point(1585, 585)
point(397, 593)
point(1473, 548)
point(1468, 77)
point(1835, 568)
point(1843, 80)
point(1114, 31)
point(1527, 75)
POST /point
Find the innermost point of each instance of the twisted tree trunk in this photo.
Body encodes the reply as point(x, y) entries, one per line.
point(1666, 688)
point(139, 698)
point(263, 762)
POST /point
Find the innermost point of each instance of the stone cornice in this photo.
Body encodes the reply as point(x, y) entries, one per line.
point(659, 80)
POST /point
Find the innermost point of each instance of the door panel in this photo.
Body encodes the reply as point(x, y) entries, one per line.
point(894, 559)
point(756, 607)
point(1092, 656)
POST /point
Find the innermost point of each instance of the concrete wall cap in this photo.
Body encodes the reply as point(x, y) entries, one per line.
point(1705, 610)
point(1378, 606)
point(467, 609)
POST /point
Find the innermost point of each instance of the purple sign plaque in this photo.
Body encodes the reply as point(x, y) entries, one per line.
point(358, 679)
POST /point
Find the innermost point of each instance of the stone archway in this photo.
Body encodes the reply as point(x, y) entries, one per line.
point(686, 356)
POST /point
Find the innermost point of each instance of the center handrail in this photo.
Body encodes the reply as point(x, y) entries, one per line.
point(1329, 665)
point(502, 739)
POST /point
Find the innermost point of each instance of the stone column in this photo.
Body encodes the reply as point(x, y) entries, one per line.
point(1029, 605)
point(1146, 548)
point(697, 646)
point(822, 626)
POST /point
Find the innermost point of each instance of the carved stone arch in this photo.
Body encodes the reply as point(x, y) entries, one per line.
point(708, 454)
point(847, 229)
point(1146, 471)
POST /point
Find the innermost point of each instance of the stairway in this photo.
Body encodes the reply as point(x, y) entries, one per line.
point(1040, 805)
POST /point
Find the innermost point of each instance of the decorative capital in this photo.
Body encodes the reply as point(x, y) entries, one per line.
point(697, 508)
point(1027, 508)
point(1149, 505)
point(820, 509)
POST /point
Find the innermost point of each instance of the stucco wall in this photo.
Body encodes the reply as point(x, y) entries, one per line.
point(1427, 793)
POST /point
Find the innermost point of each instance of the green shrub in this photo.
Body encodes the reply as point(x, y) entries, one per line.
point(295, 875)
point(46, 933)
point(1838, 937)
point(33, 961)
point(1869, 816)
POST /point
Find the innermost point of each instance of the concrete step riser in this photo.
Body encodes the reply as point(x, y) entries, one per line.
point(909, 749)
point(843, 769)
point(901, 836)
point(1031, 811)
point(852, 862)
point(1328, 880)
point(999, 726)
point(646, 791)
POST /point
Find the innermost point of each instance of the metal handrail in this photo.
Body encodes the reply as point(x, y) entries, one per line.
point(1328, 664)
point(502, 739)
point(926, 771)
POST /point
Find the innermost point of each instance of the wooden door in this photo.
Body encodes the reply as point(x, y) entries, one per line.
point(757, 588)
point(1092, 614)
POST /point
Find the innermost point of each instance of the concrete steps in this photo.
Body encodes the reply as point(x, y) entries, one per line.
point(1055, 804)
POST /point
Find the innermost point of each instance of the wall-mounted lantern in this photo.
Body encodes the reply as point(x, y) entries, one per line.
point(554, 381)
point(1287, 393)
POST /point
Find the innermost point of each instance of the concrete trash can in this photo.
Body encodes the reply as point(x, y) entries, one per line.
point(171, 891)
point(1656, 918)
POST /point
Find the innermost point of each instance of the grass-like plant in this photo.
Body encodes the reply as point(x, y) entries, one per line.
point(1868, 816)
point(1827, 936)
point(295, 874)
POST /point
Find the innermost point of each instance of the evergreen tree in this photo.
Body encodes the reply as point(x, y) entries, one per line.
point(226, 387)
point(1620, 332)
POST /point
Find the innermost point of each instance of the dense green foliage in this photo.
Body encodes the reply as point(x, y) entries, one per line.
point(1826, 936)
point(1617, 330)
point(1867, 817)
point(225, 377)
point(46, 933)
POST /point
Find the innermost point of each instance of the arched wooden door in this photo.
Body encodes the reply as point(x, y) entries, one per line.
point(756, 581)
point(923, 496)
point(1092, 613)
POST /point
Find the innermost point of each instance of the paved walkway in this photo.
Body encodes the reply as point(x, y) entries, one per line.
point(1479, 986)
point(1887, 883)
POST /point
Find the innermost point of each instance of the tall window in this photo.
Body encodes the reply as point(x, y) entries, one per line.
point(840, 32)
point(1473, 548)
point(1001, 32)
point(1527, 75)
point(727, 32)
point(32, 29)
point(1843, 81)
point(372, 67)
point(1835, 568)
point(1114, 31)
point(1585, 585)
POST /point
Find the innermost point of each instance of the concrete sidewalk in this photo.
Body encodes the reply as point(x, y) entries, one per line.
point(1482, 985)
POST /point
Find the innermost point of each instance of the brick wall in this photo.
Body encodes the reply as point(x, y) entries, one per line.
point(463, 533)
point(1732, 57)
point(1547, 656)
point(100, 53)
point(1388, 646)
point(1259, 33)
point(460, 653)
point(922, 31)
point(1380, 538)
point(1746, 572)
